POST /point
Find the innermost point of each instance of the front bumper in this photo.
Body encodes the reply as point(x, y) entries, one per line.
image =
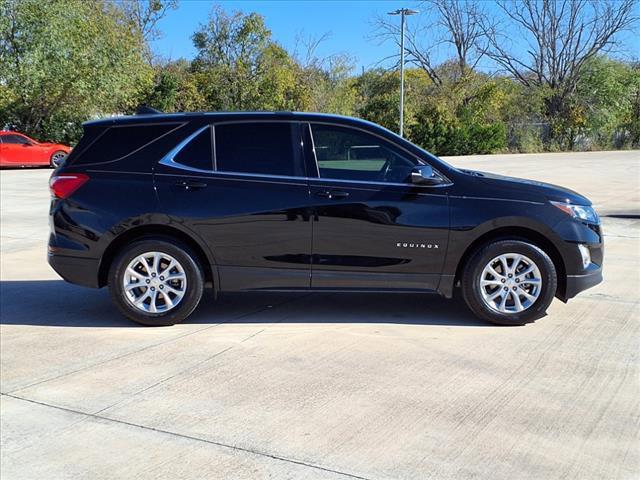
point(78, 270)
point(580, 238)
point(578, 283)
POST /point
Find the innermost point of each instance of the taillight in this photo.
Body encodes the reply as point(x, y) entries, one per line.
point(62, 186)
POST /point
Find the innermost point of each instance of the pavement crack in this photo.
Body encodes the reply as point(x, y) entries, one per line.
point(608, 298)
point(164, 380)
point(191, 368)
point(190, 437)
point(124, 355)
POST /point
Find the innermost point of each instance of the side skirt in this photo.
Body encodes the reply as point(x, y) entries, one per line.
point(251, 279)
point(347, 290)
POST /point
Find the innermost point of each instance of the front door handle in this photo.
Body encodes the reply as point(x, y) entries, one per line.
point(191, 184)
point(332, 194)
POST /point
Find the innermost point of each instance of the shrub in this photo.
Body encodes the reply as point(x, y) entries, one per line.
point(445, 134)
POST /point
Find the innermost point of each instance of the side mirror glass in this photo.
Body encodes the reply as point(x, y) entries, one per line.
point(423, 174)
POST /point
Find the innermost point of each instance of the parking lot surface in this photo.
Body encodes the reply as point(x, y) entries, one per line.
point(323, 385)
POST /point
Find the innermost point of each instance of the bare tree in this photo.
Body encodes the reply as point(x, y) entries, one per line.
point(147, 13)
point(305, 49)
point(561, 36)
point(463, 21)
point(459, 24)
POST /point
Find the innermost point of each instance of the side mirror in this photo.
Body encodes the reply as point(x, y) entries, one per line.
point(423, 174)
point(27, 145)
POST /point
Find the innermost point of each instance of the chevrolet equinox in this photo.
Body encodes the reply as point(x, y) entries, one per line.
point(160, 206)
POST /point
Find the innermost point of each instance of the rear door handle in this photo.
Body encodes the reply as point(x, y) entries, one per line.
point(191, 184)
point(332, 194)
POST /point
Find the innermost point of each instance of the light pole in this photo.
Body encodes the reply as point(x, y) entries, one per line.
point(402, 12)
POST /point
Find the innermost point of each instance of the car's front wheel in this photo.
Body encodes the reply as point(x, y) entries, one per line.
point(509, 282)
point(156, 282)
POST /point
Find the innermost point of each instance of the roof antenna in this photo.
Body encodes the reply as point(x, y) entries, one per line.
point(147, 110)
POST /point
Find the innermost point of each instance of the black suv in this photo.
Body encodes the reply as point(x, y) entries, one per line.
point(158, 206)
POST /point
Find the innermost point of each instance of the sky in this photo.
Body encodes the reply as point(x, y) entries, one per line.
point(348, 24)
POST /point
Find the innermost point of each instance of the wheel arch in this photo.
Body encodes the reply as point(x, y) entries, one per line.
point(145, 231)
point(518, 233)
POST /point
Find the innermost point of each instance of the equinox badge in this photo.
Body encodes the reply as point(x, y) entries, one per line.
point(416, 245)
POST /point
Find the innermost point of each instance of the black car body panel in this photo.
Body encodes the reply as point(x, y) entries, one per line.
point(257, 231)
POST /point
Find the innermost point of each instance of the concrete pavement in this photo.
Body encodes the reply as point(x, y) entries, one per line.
point(323, 386)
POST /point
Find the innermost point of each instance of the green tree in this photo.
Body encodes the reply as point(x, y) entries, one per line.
point(330, 88)
point(379, 98)
point(433, 129)
point(562, 36)
point(605, 99)
point(240, 67)
point(326, 81)
point(461, 114)
point(175, 89)
point(63, 62)
point(632, 119)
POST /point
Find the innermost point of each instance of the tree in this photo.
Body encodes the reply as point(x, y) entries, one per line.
point(326, 80)
point(632, 120)
point(457, 24)
point(63, 62)
point(241, 67)
point(379, 97)
point(145, 15)
point(454, 112)
point(562, 36)
point(447, 126)
point(175, 88)
point(606, 97)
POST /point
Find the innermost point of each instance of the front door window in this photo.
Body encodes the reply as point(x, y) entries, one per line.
point(348, 154)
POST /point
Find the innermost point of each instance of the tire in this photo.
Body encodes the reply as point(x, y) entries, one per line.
point(57, 158)
point(172, 300)
point(483, 291)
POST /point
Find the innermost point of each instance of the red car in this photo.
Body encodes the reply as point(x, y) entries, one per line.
point(18, 150)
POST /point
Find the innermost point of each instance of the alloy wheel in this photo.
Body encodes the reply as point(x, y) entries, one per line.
point(510, 283)
point(154, 282)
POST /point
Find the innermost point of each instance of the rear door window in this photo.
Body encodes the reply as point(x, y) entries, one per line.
point(268, 148)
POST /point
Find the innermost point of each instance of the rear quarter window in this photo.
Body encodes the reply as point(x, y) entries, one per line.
point(118, 142)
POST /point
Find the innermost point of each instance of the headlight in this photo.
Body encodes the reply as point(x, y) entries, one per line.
point(582, 212)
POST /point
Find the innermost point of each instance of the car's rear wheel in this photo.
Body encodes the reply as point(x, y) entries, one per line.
point(57, 158)
point(156, 282)
point(509, 282)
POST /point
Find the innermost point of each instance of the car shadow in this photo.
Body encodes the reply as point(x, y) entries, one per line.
point(57, 303)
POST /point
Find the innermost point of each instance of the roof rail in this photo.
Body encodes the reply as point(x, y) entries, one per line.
point(146, 110)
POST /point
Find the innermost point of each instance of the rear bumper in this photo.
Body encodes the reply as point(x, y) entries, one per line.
point(81, 271)
point(579, 283)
